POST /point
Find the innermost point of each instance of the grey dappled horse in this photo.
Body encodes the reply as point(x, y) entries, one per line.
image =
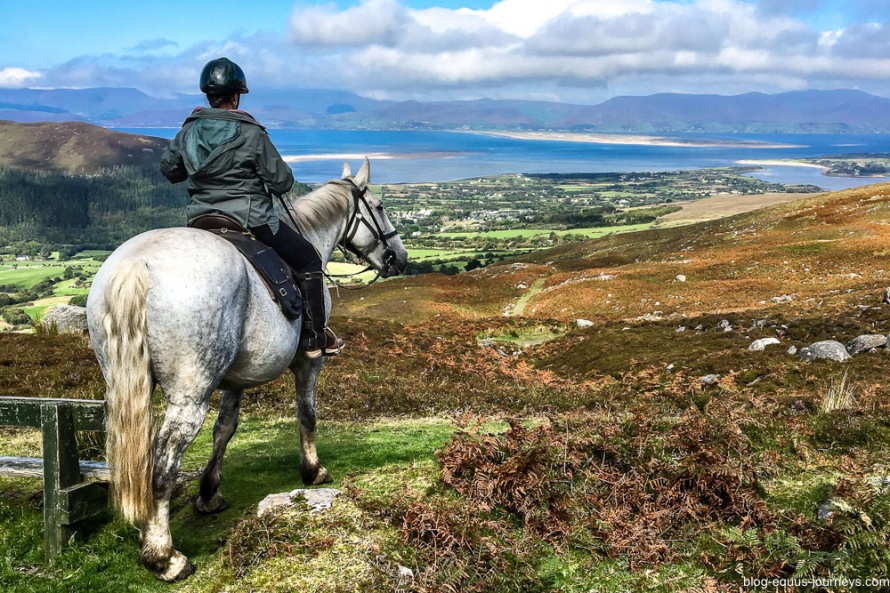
point(182, 309)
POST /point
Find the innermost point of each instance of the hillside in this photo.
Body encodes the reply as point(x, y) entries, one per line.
point(73, 147)
point(483, 442)
point(811, 111)
point(817, 259)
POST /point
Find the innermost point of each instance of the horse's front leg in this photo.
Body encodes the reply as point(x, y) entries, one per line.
point(306, 374)
point(210, 500)
point(156, 551)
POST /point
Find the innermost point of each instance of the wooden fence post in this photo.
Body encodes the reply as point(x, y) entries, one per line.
point(61, 469)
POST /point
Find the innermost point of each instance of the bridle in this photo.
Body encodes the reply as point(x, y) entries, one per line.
point(353, 225)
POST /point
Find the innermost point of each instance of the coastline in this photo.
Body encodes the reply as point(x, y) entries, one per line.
point(777, 163)
point(374, 156)
point(632, 139)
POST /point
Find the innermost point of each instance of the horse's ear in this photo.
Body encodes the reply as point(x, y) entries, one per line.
point(363, 177)
point(346, 170)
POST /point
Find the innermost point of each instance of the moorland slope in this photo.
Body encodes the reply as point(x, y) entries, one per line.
point(74, 147)
point(648, 451)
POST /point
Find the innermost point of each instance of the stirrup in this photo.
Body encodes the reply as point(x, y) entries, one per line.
point(332, 350)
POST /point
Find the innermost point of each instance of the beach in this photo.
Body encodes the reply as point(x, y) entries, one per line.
point(636, 140)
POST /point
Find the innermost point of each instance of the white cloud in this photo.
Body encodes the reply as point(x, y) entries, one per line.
point(573, 50)
point(11, 77)
point(565, 43)
point(372, 21)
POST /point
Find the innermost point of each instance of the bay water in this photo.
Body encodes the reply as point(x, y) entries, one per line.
point(434, 156)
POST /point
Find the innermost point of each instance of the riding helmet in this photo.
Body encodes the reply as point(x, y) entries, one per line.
point(222, 76)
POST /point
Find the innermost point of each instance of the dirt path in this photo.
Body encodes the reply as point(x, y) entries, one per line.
point(728, 205)
point(519, 309)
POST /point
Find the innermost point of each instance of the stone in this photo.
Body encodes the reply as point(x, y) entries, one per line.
point(65, 319)
point(680, 278)
point(861, 344)
point(318, 499)
point(824, 350)
point(885, 298)
point(792, 351)
point(785, 298)
point(583, 323)
point(710, 379)
point(762, 343)
point(406, 573)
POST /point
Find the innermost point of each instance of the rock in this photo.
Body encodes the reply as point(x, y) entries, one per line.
point(785, 298)
point(680, 278)
point(582, 323)
point(865, 343)
point(762, 343)
point(318, 499)
point(65, 319)
point(885, 298)
point(406, 573)
point(724, 324)
point(710, 379)
point(792, 351)
point(825, 509)
point(825, 350)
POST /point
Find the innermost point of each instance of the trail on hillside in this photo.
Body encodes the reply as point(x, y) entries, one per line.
point(519, 308)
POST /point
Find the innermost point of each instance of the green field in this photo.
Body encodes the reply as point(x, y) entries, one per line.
point(527, 233)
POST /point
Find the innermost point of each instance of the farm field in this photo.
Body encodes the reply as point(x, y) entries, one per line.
point(649, 450)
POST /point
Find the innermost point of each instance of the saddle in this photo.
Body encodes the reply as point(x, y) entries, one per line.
point(274, 271)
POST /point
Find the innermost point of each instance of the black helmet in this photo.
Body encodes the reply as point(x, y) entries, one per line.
point(222, 76)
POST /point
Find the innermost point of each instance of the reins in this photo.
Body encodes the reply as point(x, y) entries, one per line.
point(352, 226)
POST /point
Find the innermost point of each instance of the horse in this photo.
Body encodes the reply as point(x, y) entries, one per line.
point(180, 308)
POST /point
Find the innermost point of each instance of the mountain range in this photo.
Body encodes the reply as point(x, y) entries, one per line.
point(812, 111)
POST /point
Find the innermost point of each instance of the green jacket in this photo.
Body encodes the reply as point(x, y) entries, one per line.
point(231, 166)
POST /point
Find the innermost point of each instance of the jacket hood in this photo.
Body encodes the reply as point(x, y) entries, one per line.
point(223, 114)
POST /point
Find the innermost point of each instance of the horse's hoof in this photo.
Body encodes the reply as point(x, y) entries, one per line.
point(179, 568)
point(216, 504)
point(316, 476)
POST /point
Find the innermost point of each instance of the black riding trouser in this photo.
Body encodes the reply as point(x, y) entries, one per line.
point(291, 246)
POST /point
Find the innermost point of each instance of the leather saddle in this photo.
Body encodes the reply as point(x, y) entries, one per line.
point(274, 271)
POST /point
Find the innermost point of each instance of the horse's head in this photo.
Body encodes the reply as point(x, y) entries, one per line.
point(369, 232)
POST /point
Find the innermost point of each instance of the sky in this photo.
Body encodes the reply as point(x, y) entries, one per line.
point(572, 51)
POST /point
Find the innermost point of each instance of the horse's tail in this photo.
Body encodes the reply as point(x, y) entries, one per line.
point(128, 396)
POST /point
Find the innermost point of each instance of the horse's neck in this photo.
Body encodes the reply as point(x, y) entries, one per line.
point(324, 236)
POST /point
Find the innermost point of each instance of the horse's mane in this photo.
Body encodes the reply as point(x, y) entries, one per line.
point(320, 207)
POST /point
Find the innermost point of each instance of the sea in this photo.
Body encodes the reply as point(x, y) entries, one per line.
point(436, 156)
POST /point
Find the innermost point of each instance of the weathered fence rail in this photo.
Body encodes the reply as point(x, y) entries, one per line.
point(67, 498)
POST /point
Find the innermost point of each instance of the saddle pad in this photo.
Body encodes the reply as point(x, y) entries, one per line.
point(272, 269)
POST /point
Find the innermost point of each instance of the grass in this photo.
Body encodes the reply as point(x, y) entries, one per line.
point(27, 275)
point(840, 395)
point(525, 233)
point(598, 460)
point(263, 458)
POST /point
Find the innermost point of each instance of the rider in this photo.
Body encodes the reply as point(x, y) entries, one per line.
point(233, 168)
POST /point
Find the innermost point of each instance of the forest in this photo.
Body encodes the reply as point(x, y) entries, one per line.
point(38, 210)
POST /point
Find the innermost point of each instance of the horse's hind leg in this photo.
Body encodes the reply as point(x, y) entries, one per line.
point(182, 422)
point(306, 373)
point(210, 500)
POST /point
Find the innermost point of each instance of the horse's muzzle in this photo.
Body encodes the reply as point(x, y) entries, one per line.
point(392, 264)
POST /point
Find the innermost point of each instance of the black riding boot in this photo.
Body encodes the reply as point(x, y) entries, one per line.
point(316, 338)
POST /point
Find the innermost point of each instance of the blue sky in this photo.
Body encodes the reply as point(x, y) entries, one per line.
point(581, 51)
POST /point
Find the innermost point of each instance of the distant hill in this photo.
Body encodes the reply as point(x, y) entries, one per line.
point(73, 147)
point(799, 111)
point(812, 111)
